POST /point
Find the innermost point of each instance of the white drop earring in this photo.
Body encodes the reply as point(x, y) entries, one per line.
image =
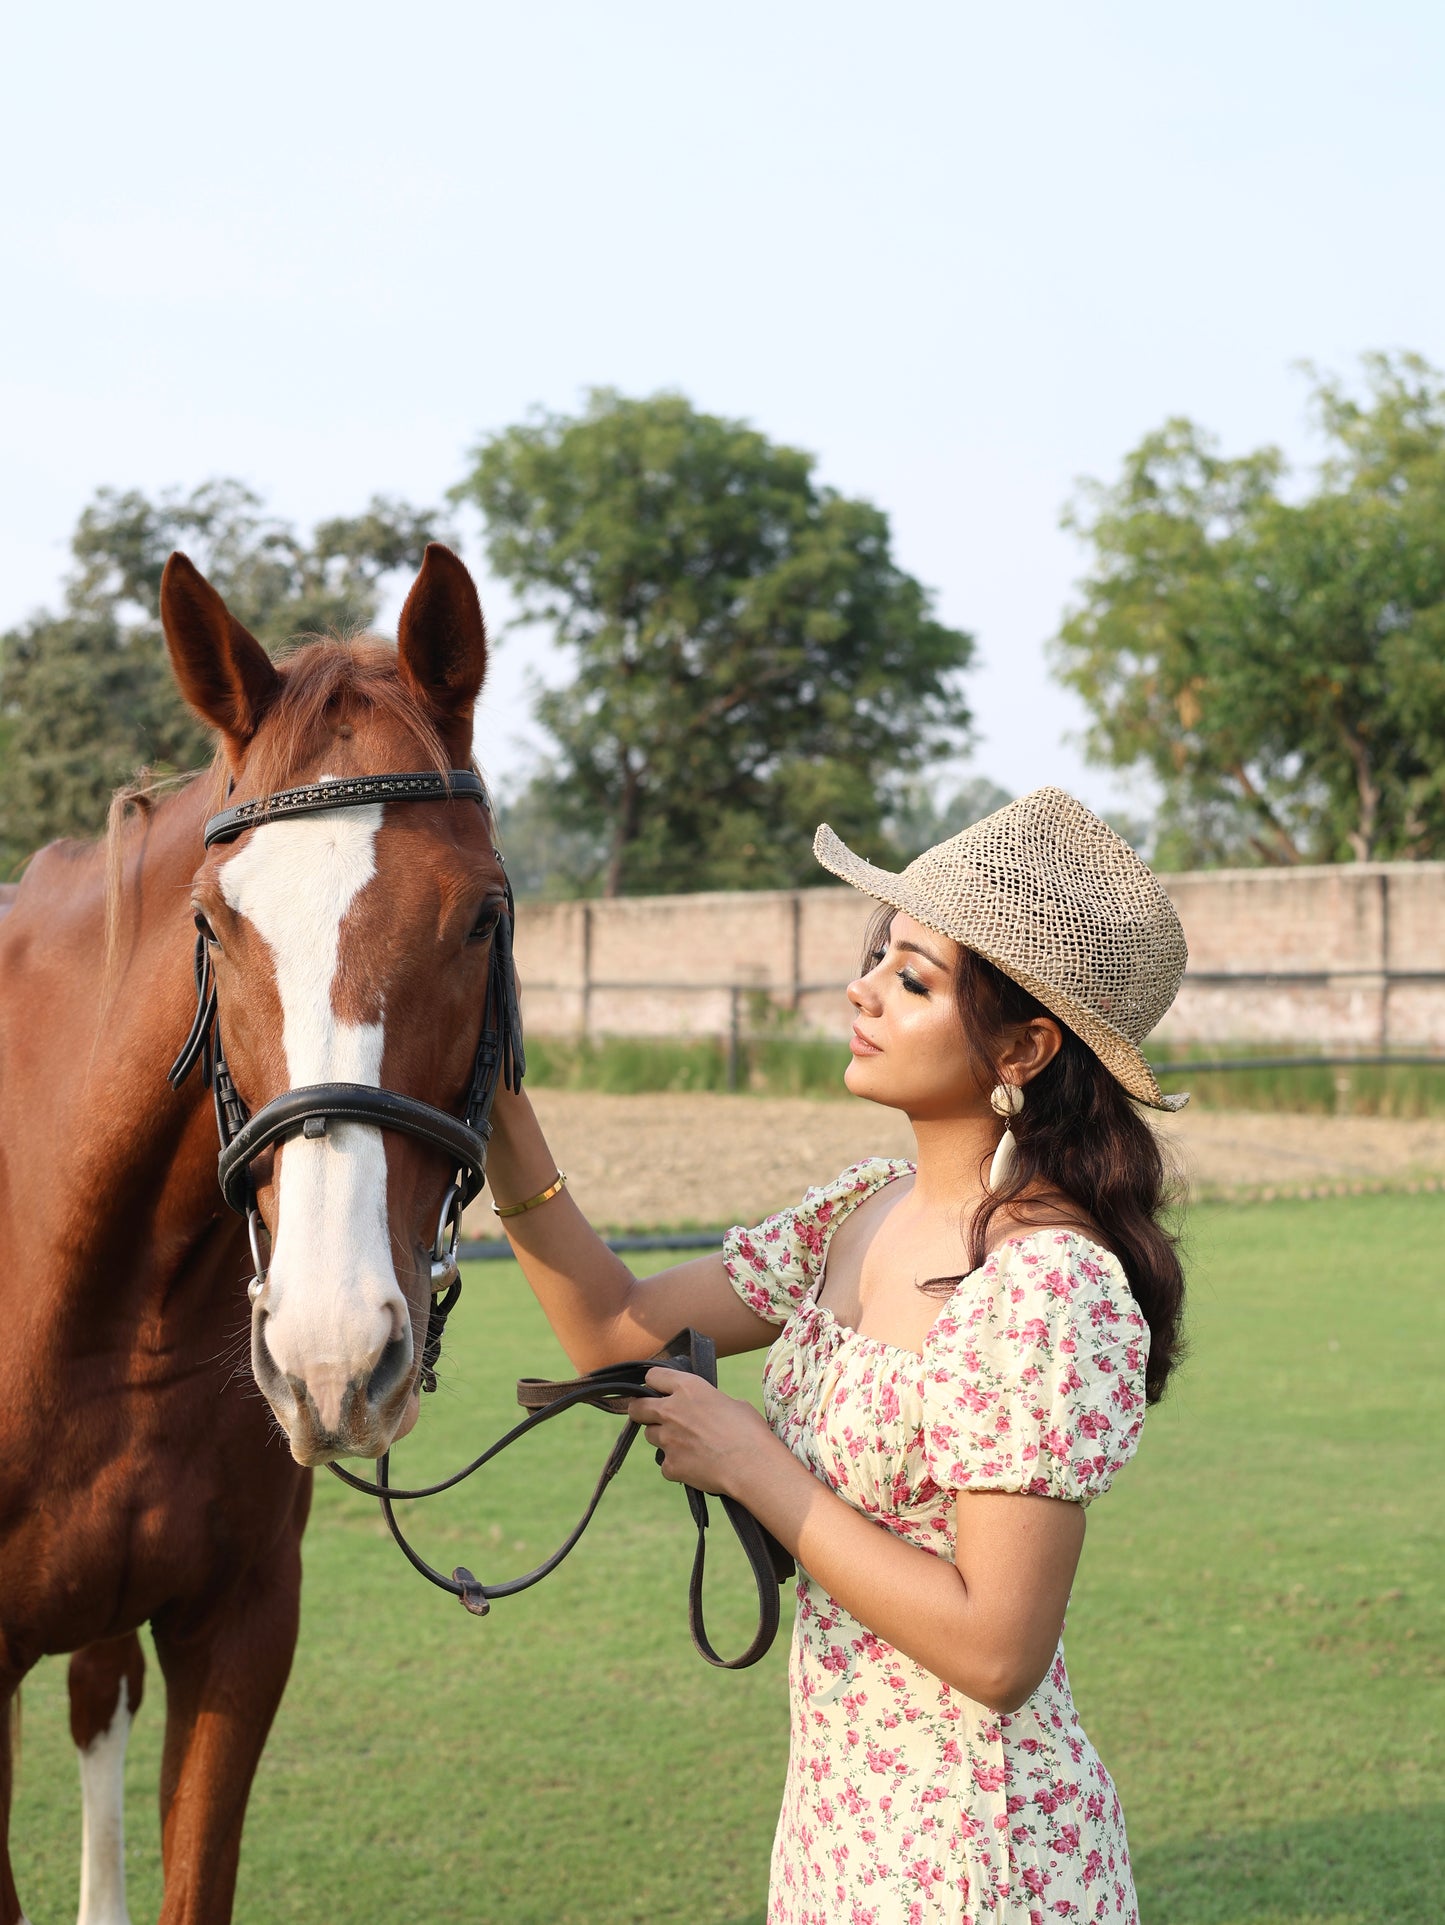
point(1006, 1101)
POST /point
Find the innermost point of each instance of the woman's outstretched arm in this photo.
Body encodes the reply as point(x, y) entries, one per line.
point(599, 1310)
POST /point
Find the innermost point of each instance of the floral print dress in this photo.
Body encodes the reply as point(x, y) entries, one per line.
point(907, 1803)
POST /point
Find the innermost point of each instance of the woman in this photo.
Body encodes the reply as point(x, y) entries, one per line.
point(961, 1349)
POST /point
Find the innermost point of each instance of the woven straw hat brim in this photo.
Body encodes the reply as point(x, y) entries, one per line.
point(1115, 1051)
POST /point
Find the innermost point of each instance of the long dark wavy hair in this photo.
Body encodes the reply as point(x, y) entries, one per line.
point(1079, 1140)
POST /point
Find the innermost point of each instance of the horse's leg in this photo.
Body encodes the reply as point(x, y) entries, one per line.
point(10, 1912)
point(106, 1684)
point(224, 1679)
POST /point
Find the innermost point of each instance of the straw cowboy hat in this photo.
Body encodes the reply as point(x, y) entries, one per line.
point(1051, 896)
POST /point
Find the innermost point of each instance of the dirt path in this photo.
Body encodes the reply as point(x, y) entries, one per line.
point(679, 1162)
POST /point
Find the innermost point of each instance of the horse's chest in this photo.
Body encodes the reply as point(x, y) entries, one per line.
point(119, 1499)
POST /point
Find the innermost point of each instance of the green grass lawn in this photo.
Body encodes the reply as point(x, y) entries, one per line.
point(1255, 1642)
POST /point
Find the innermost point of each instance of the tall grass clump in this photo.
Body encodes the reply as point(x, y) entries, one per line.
point(1354, 1089)
point(790, 1064)
point(632, 1065)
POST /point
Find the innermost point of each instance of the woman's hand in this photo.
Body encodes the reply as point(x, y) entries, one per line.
point(708, 1440)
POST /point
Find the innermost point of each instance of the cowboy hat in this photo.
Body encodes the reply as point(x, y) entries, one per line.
point(1055, 899)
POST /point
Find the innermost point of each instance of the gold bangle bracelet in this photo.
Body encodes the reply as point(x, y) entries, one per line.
point(554, 1188)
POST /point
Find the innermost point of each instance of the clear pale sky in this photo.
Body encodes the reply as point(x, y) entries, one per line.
point(964, 253)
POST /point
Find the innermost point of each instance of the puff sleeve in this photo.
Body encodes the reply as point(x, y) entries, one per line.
point(776, 1266)
point(1035, 1382)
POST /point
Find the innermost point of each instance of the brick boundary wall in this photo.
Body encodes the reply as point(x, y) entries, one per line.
point(1341, 957)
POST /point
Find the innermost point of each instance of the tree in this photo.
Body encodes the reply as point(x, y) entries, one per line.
point(86, 696)
point(921, 818)
point(749, 657)
point(1277, 664)
point(546, 857)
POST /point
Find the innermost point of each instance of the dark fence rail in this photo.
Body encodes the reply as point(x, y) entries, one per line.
point(1198, 1065)
point(495, 1249)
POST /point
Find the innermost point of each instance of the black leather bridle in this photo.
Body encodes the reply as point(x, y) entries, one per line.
point(499, 1060)
point(308, 1112)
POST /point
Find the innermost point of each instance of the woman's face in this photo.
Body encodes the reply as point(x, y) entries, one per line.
point(907, 1041)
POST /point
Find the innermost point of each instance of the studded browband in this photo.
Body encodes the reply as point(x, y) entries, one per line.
point(345, 792)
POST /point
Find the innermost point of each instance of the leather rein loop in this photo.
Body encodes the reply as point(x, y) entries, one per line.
point(610, 1389)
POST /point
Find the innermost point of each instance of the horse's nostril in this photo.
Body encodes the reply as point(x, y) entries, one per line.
point(392, 1368)
point(268, 1372)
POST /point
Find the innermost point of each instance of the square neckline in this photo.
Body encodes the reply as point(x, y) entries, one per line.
point(849, 1333)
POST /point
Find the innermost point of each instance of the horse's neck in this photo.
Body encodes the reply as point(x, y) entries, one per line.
point(90, 1045)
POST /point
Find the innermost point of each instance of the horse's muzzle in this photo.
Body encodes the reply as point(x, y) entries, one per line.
point(328, 1411)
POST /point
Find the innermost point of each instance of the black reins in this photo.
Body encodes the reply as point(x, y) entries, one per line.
point(463, 1141)
point(609, 1389)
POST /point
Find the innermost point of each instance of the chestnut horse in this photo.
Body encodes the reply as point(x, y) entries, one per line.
point(139, 1480)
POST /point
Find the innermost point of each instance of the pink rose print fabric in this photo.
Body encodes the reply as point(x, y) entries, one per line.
point(907, 1803)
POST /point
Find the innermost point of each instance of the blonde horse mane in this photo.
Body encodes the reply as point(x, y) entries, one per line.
point(134, 802)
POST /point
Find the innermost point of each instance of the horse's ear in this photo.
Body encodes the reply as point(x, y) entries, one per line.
point(441, 646)
point(223, 671)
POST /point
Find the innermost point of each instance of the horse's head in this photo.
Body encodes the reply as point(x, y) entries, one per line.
point(348, 946)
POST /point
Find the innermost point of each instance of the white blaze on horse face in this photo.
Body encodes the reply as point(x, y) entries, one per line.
point(332, 1299)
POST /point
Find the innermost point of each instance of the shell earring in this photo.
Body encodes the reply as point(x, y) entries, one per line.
point(1006, 1101)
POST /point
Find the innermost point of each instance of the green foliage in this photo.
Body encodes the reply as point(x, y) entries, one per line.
point(86, 701)
point(547, 859)
point(1254, 1641)
point(86, 696)
point(1278, 665)
point(750, 659)
point(921, 818)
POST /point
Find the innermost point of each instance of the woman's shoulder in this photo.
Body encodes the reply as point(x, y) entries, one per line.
point(1037, 1370)
point(1044, 1217)
point(852, 1186)
point(774, 1264)
point(1065, 1267)
point(1052, 1288)
point(809, 1223)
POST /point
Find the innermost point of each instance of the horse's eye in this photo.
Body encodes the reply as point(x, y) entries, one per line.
point(206, 930)
point(485, 926)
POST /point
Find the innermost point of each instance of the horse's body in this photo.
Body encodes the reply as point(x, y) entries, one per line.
point(138, 1480)
point(142, 1478)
